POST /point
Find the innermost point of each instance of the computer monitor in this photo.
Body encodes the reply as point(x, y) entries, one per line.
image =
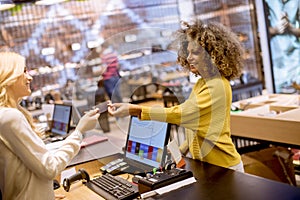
point(48, 110)
point(61, 119)
point(78, 112)
point(75, 116)
point(146, 142)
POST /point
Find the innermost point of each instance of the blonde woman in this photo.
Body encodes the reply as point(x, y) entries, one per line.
point(27, 168)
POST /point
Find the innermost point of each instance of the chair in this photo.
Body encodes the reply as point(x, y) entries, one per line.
point(147, 92)
point(296, 86)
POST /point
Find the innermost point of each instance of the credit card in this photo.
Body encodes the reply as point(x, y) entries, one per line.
point(102, 107)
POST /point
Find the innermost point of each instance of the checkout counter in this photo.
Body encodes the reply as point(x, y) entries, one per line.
point(213, 182)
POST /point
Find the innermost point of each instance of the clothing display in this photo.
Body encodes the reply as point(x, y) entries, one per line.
point(285, 48)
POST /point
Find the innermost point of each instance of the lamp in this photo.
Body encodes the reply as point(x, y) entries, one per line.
point(48, 2)
point(6, 4)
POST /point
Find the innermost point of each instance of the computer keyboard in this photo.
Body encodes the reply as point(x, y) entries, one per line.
point(113, 187)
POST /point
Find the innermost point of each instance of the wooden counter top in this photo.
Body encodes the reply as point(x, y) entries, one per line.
point(273, 117)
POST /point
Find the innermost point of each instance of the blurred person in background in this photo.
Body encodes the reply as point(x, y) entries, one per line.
point(111, 76)
point(68, 89)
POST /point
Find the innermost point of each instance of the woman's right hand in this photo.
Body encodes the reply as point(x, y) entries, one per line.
point(88, 121)
point(124, 109)
point(119, 109)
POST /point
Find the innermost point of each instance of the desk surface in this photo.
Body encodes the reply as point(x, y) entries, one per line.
point(274, 118)
point(99, 150)
point(213, 182)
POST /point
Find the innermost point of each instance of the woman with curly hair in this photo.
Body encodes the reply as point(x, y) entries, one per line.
point(27, 168)
point(214, 53)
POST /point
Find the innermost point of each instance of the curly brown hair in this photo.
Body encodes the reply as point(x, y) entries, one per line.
point(221, 45)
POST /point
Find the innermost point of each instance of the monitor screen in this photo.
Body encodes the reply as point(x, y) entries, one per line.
point(146, 141)
point(76, 115)
point(61, 119)
point(48, 110)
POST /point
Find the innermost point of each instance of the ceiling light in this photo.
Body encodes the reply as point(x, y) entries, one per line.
point(6, 4)
point(130, 38)
point(48, 2)
point(48, 51)
point(75, 46)
point(93, 44)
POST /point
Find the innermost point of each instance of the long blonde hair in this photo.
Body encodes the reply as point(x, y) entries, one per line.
point(12, 66)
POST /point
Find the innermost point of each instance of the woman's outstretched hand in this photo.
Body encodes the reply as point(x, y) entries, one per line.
point(124, 109)
point(119, 109)
point(88, 121)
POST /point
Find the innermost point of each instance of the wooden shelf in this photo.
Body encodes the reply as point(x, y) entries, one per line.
point(273, 118)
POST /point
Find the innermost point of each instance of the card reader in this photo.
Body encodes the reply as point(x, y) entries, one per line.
point(162, 179)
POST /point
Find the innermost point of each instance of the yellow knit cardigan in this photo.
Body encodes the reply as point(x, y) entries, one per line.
point(206, 117)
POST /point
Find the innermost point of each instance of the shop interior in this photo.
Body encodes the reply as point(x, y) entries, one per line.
point(63, 41)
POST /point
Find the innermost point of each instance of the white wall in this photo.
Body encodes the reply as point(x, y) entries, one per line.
point(266, 59)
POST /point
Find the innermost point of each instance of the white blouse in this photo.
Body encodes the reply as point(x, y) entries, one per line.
point(27, 168)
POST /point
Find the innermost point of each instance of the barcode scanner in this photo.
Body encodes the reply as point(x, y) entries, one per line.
point(80, 175)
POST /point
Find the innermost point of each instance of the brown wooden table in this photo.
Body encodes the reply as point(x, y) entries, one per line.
point(273, 118)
